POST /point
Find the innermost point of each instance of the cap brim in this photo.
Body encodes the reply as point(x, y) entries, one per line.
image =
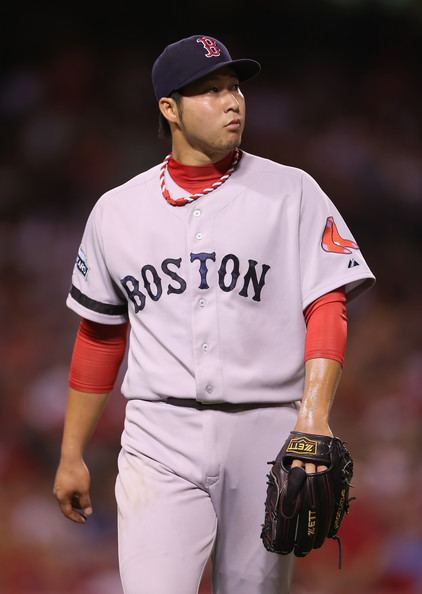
point(245, 69)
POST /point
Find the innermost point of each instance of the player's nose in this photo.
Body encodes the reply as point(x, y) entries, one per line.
point(231, 101)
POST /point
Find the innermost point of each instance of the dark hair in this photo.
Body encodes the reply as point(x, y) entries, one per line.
point(164, 131)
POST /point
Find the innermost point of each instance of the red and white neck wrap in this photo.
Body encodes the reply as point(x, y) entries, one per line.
point(237, 154)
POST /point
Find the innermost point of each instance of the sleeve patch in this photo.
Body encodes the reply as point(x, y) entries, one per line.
point(333, 242)
point(82, 262)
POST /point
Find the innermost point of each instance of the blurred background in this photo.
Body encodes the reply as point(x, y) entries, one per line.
point(339, 96)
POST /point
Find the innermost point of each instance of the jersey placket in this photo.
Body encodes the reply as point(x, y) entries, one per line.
point(203, 280)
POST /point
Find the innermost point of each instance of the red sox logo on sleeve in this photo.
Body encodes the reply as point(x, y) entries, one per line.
point(333, 242)
point(210, 45)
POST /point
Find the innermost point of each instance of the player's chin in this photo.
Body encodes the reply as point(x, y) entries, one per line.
point(232, 141)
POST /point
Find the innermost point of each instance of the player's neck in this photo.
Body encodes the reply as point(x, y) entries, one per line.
point(207, 171)
point(194, 178)
point(187, 155)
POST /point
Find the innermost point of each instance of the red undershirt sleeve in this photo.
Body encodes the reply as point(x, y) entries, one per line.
point(326, 327)
point(97, 355)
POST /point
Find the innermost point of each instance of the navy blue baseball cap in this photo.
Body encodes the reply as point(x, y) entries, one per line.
point(191, 58)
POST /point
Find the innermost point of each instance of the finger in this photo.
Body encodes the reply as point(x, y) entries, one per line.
point(70, 513)
point(310, 467)
point(78, 506)
point(85, 503)
point(297, 464)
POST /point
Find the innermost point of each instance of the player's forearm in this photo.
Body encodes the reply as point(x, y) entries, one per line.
point(322, 377)
point(82, 414)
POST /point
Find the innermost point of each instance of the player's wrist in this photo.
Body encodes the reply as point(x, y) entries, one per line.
point(71, 455)
point(317, 426)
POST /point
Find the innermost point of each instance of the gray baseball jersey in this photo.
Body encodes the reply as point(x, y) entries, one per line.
point(215, 290)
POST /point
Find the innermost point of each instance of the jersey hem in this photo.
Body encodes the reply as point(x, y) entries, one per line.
point(354, 286)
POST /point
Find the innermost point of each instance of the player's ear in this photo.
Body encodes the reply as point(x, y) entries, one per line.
point(169, 109)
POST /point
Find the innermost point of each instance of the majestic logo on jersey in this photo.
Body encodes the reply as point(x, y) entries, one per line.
point(228, 275)
point(333, 242)
point(210, 45)
point(82, 262)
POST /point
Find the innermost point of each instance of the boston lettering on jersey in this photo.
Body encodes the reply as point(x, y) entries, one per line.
point(228, 276)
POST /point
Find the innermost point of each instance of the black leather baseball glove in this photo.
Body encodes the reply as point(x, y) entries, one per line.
point(302, 510)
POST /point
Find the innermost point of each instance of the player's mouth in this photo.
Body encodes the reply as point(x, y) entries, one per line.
point(234, 124)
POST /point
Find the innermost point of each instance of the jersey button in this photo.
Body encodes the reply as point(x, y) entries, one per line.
point(209, 388)
point(202, 302)
point(197, 213)
point(199, 235)
point(205, 346)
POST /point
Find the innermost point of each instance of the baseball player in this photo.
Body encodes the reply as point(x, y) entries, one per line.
point(231, 273)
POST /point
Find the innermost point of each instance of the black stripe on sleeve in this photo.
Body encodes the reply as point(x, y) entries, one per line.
point(104, 308)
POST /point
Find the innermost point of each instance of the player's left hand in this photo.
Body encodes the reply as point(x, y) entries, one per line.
point(302, 509)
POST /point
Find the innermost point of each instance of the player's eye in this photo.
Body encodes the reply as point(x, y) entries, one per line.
point(236, 87)
point(213, 90)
